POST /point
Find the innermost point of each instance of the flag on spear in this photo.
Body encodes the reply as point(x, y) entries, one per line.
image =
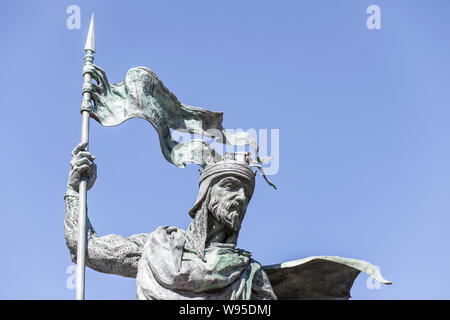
point(143, 95)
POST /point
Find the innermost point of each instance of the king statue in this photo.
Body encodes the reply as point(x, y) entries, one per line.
point(203, 261)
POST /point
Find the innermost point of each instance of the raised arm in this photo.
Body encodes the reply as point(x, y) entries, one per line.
point(113, 254)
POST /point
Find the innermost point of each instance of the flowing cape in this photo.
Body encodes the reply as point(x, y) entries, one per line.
point(170, 271)
point(319, 277)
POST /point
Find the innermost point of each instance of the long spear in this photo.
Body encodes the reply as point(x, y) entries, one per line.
point(89, 48)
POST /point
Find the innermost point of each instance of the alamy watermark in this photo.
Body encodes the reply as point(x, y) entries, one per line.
point(73, 21)
point(268, 143)
point(373, 22)
point(71, 279)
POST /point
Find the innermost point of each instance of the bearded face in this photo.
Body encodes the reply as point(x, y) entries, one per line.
point(229, 199)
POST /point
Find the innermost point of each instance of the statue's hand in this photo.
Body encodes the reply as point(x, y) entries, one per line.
point(81, 166)
point(102, 88)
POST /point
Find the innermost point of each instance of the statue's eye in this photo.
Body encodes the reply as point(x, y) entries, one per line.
point(229, 186)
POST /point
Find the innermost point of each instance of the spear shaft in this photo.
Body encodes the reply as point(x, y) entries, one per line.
point(82, 217)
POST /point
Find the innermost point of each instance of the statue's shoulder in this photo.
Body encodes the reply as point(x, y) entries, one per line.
point(168, 231)
point(167, 235)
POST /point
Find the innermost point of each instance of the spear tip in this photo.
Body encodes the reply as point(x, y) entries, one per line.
point(90, 41)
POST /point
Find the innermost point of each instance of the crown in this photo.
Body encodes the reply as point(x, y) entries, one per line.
point(232, 163)
point(237, 163)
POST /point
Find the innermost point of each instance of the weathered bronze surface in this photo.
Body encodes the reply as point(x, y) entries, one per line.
point(201, 262)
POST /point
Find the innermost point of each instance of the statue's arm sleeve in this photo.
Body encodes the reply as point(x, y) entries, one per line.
point(112, 253)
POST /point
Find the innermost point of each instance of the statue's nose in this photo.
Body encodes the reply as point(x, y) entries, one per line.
point(240, 195)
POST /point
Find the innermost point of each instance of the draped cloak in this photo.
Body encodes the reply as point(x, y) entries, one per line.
point(168, 270)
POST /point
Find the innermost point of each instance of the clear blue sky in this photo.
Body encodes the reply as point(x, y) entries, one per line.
point(363, 118)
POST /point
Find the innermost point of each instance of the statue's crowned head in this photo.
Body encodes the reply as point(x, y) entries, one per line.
point(227, 186)
point(225, 190)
